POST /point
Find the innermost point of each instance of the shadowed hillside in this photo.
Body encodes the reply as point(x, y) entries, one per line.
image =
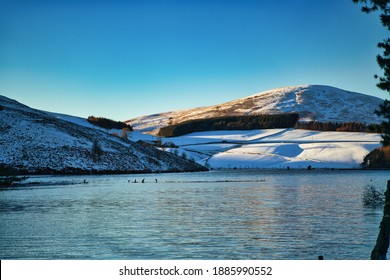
point(33, 141)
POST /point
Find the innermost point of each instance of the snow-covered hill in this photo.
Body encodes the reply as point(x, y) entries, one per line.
point(311, 102)
point(36, 141)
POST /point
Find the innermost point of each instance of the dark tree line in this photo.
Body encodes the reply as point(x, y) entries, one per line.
point(231, 123)
point(108, 124)
point(339, 126)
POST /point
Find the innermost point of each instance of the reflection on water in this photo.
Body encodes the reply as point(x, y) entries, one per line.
point(214, 215)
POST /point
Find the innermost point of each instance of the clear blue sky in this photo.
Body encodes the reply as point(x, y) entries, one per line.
point(122, 59)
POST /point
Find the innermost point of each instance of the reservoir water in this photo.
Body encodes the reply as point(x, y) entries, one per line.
point(235, 214)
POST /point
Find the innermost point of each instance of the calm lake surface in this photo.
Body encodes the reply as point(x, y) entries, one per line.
point(253, 214)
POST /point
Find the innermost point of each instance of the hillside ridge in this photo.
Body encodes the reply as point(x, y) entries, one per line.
point(311, 102)
point(38, 142)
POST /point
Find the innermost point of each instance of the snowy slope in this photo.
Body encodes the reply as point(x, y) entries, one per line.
point(276, 148)
point(133, 136)
point(312, 102)
point(37, 141)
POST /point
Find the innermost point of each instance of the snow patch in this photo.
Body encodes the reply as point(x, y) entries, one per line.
point(277, 148)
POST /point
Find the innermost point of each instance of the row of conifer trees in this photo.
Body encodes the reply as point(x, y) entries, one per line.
point(231, 123)
point(288, 120)
point(108, 123)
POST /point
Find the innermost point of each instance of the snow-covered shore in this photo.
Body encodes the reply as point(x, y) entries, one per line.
point(276, 148)
point(266, 148)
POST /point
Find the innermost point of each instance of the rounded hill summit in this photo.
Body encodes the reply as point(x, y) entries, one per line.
point(311, 102)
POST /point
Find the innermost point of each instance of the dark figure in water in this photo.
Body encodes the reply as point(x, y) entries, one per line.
point(143, 180)
point(156, 180)
point(85, 181)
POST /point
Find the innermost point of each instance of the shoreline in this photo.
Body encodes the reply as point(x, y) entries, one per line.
point(75, 172)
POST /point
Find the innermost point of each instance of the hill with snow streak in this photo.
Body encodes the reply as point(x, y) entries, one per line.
point(34, 141)
point(311, 102)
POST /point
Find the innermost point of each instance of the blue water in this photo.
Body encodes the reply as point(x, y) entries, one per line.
point(214, 215)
